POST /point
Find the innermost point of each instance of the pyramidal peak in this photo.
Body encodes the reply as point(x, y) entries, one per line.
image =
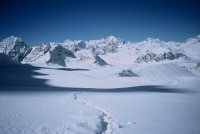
point(11, 41)
point(112, 38)
point(14, 38)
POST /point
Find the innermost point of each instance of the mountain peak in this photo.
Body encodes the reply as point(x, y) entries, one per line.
point(15, 48)
point(14, 38)
point(194, 39)
point(11, 41)
point(112, 38)
point(152, 39)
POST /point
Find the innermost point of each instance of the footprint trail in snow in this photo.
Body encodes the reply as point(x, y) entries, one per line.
point(108, 123)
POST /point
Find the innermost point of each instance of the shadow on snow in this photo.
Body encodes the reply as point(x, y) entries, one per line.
point(20, 78)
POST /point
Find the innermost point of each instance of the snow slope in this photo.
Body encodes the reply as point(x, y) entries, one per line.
point(105, 103)
point(85, 97)
point(108, 77)
point(155, 110)
point(46, 112)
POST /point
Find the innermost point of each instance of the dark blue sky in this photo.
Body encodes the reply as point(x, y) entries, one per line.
point(42, 21)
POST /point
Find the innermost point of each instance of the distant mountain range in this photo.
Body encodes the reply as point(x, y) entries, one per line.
point(106, 51)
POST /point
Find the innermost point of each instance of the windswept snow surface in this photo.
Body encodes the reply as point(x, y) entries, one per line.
point(86, 98)
point(46, 112)
point(152, 111)
point(95, 100)
point(107, 77)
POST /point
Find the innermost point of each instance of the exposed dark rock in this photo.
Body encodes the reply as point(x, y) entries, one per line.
point(149, 57)
point(127, 73)
point(79, 46)
point(197, 66)
point(59, 54)
point(100, 61)
point(19, 51)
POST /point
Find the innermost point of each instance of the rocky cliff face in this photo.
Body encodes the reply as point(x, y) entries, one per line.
point(59, 54)
point(99, 61)
point(15, 48)
point(150, 56)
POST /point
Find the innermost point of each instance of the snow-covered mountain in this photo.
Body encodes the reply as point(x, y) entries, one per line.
point(192, 47)
point(96, 94)
point(15, 48)
point(58, 55)
point(156, 50)
point(53, 53)
point(109, 51)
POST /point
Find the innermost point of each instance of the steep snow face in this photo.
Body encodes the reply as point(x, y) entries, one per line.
point(103, 46)
point(156, 50)
point(149, 50)
point(74, 45)
point(15, 48)
point(37, 53)
point(85, 55)
point(109, 40)
point(192, 48)
point(52, 53)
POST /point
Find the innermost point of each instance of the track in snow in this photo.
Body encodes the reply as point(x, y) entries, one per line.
point(108, 123)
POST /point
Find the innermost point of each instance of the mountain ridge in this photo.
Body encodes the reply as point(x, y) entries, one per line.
point(112, 50)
